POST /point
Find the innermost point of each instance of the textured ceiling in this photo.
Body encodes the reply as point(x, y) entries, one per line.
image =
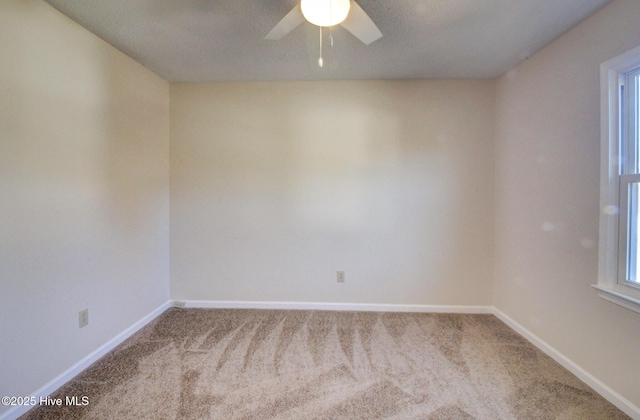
point(215, 40)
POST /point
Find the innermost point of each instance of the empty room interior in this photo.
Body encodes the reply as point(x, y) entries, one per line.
point(181, 163)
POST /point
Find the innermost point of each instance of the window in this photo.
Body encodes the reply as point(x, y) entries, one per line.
point(619, 259)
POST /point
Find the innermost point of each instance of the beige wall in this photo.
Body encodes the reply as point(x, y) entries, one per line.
point(84, 142)
point(547, 195)
point(275, 186)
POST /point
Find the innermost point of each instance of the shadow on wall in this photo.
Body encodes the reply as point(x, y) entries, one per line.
point(136, 148)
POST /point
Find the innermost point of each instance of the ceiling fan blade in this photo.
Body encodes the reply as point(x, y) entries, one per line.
point(361, 25)
point(287, 24)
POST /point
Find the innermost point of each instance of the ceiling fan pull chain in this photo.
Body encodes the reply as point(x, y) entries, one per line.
point(330, 17)
point(320, 62)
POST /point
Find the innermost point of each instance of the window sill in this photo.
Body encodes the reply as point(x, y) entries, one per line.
point(618, 298)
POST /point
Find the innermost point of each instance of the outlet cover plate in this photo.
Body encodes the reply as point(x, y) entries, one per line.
point(83, 318)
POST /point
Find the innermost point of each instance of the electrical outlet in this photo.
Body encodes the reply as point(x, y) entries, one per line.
point(83, 318)
point(178, 304)
point(340, 276)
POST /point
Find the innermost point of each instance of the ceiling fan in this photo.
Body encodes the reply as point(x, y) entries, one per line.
point(326, 13)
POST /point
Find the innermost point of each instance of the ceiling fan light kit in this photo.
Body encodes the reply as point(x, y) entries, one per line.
point(325, 12)
point(346, 13)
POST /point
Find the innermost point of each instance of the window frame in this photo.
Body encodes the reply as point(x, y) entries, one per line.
point(617, 172)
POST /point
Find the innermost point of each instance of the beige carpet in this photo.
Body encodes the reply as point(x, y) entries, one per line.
point(263, 364)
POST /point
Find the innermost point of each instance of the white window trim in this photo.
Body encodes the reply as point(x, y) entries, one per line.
point(608, 286)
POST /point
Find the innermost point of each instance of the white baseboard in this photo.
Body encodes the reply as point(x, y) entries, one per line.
point(323, 306)
point(616, 399)
point(609, 394)
point(74, 370)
